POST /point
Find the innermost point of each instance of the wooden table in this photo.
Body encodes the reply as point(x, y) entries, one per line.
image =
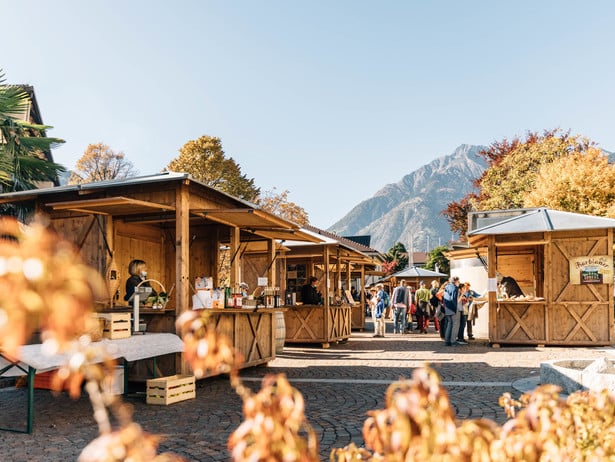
point(31, 360)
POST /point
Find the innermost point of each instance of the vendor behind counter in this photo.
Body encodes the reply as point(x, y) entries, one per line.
point(310, 294)
point(138, 273)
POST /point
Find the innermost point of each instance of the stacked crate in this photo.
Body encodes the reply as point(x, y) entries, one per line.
point(117, 325)
point(171, 389)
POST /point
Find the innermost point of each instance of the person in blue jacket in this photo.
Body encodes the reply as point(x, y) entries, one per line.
point(451, 300)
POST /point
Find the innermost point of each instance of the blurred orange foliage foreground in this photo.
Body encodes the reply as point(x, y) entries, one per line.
point(45, 286)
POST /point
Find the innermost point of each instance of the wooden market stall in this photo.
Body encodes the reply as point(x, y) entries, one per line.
point(563, 263)
point(334, 263)
point(178, 226)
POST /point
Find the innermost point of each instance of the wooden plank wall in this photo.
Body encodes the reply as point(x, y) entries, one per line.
point(581, 314)
point(133, 241)
point(83, 231)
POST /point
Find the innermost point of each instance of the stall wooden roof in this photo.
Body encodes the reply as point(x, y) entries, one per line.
point(243, 214)
point(313, 249)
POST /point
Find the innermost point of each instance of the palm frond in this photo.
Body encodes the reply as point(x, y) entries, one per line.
point(13, 99)
point(36, 143)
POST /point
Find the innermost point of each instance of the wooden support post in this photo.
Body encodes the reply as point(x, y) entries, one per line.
point(182, 249)
point(348, 276)
point(327, 305)
point(493, 297)
point(235, 257)
point(611, 321)
point(182, 255)
point(547, 284)
point(271, 273)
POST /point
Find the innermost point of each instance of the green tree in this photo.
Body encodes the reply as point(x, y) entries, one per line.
point(279, 204)
point(99, 162)
point(397, 258)
point(205, 160)
point(23, 164)
point(512, 172)
point(436, 258)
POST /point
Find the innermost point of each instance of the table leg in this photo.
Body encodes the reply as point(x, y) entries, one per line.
point(31, 374)
point(125, 364)
point(30, 394)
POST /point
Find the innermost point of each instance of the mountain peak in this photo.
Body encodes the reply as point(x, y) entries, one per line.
point(409, 211)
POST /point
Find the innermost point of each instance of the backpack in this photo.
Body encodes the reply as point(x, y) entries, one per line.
point(434, 300)
point(387, 299)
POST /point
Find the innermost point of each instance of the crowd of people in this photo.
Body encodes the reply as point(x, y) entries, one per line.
point(449, 306)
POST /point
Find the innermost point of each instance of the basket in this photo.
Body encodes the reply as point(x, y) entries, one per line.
point(161, 300)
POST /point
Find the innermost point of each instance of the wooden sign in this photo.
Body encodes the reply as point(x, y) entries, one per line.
point(597, 269)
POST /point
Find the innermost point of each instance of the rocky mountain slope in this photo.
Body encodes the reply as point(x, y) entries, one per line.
point(409, 210)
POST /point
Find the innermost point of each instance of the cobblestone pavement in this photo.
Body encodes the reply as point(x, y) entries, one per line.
point(339, 384)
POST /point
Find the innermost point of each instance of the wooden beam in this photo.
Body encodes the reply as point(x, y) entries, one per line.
point(521, 243)
point(182, 255)
point(182, 249)
point(236, 258)
point(491, 274)
point(271, 255)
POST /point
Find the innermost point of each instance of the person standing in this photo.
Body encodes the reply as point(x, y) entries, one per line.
point(470, 295)
point(451, 299)
point(373, 301)
point(400, 300)
point(422, 297)
point(463, 314)
point(379, 319)
point(440, 311)
point(434, 303)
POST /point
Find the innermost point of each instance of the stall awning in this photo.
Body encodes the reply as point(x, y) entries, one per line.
point(111, 206)
point(254, 221)
point(257, 222)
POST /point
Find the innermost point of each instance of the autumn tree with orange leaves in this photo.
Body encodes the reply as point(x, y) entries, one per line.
point(99, 162)
point(278, 204)
point(522, 171)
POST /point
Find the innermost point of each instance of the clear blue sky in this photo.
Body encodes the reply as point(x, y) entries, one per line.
point(329, 99)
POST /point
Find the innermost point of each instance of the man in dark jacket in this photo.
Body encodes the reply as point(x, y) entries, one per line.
point(309, 293)
point(451, 299)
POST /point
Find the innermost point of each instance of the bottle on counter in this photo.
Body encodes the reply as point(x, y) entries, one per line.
point(237, 296)
point(276, 297)
point(228, 297)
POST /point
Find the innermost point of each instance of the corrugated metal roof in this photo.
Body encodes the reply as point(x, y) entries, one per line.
point(343, 240)
point(157, 177)
point(543, 219)
point(416, 272)
point(326, 240)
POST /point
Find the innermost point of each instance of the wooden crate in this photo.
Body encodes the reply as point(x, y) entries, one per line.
point(42, 381)
point(171, 389)
point(117, 325)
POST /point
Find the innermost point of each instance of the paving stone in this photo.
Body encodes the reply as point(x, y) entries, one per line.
point(340, 385)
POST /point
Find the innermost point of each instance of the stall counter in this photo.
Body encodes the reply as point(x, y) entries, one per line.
point(318, 324)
